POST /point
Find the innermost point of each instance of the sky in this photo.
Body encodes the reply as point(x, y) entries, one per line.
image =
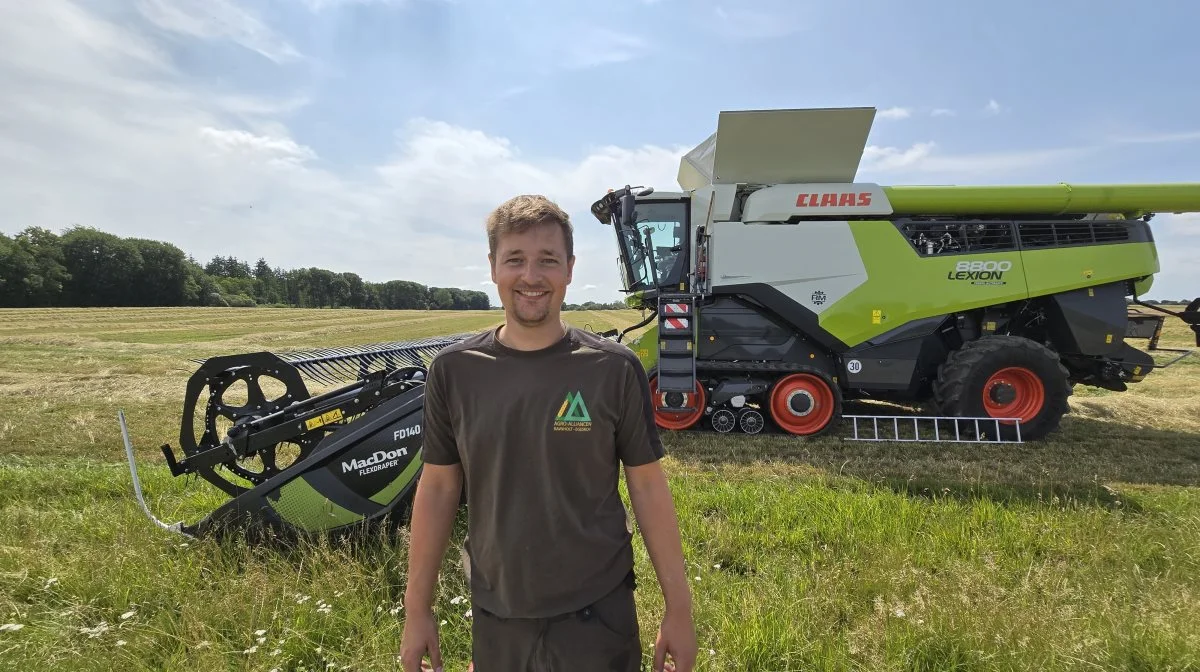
point(374, 136)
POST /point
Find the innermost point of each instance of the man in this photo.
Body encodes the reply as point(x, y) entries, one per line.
point(535, 418)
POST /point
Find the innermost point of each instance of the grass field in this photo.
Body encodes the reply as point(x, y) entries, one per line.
point(1080, 553)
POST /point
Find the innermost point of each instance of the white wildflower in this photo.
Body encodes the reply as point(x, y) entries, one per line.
point(92, 633)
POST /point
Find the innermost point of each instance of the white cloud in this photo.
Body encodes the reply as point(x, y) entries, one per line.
point(320, 5)
point(744, 24)
point(1178, 241)
point(895, 113)
point(1181, 225)
point(218, 19)
point(1156, 138)
point(600, 46)
point(922, 161)
point(942, 112)
point(876, 158)
point(992, 107)
point(102, 132)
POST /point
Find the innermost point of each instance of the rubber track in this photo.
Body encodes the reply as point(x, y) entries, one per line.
point(953, 373)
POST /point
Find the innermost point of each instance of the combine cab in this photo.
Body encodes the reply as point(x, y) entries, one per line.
point(781, 287)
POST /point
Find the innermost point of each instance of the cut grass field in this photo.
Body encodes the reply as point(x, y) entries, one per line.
point(1078, 553)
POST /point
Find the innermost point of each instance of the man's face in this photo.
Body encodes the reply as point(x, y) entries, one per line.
point(531, 271)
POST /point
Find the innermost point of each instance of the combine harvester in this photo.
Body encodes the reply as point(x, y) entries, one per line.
point(779, 288)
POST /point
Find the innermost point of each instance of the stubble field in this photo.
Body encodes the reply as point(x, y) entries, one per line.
point(1079, 553)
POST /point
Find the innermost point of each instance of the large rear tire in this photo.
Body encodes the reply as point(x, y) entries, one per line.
point(1005, 377)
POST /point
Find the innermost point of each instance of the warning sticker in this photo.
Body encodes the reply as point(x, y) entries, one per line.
point(323, 419)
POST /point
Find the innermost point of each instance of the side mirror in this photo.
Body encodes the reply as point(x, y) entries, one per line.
point(628, 206)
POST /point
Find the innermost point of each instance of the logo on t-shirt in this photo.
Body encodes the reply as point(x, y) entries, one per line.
point(573, 415)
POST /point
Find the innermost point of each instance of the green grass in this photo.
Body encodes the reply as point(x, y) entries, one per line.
point(1079, 553)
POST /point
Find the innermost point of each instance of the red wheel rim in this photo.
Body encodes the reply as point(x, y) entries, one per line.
point(813, 397)
point(677, 420)
point(1014, 392)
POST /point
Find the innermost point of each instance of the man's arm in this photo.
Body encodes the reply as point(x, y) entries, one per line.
point(654, 510)
point(439, 492)
point(640, 450)
point(435, 505)
point(434, 508)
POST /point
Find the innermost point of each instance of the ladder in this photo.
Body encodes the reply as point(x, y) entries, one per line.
point(676, 352)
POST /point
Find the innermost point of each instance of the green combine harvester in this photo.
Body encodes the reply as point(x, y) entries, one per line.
point(779, 288)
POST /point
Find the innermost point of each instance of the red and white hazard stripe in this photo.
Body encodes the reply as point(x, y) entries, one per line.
point(669, 308)
point(676, 322)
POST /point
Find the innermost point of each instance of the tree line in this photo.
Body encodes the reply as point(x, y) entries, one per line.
point(86, 267)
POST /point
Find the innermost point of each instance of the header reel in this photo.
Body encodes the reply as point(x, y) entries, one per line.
point(296, 462)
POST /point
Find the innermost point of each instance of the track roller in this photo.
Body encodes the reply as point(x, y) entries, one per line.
point(724, 420)
point(805, 403)
point(751, 421)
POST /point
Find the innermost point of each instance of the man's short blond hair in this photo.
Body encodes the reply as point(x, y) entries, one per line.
point(520, 213)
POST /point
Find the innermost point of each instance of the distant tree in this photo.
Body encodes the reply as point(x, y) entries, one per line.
point(87, 267)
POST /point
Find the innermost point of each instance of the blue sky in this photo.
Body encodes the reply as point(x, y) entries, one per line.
point(374, 135)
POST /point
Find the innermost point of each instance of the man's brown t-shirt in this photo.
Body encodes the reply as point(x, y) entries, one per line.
point(540, 436)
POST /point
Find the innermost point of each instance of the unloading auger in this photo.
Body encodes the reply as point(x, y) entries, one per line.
point(354, 451)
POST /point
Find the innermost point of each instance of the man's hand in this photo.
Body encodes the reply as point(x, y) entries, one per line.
point(677, 639)
point(420, 638)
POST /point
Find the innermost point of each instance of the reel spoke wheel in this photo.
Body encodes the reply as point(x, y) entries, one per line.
point(681, 419)
point(804, 404)
point(236, 395)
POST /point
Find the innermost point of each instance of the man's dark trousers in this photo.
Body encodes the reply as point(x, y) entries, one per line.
point(602, 637)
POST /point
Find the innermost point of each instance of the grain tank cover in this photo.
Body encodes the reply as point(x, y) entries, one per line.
point(780, 147)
